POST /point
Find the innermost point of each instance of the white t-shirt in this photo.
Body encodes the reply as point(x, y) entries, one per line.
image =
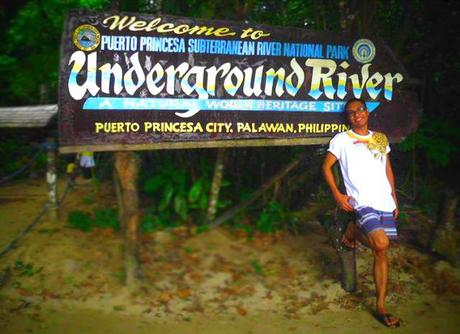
point(363, 171)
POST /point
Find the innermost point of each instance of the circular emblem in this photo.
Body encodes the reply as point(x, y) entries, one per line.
point(86, 37)
point(364, 51)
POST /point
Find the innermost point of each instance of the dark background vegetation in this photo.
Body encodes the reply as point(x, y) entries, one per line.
point(423, 34)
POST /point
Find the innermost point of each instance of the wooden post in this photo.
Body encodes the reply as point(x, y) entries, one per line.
point(347, 258)
point(51, 178)
point(349, 272)
point(127, 170)
point(216, 184)
point(117, 185)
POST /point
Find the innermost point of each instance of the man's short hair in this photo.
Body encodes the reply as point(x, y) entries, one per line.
point(350, 101)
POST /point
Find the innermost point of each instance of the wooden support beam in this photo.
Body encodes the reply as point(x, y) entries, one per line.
point(197, 144)
point(203, 144)
point(127, 171)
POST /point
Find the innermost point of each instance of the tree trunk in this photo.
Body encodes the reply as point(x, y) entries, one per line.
point(216, 184)
point(127, 169)
point(445, 238)
point(51, 178)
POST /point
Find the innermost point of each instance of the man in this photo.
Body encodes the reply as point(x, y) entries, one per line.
point(370, 194)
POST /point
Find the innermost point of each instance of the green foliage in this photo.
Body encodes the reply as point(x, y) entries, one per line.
point(272, 218)
point(171, 186)
point(428, 199)
point(257, 267)
point(29, 53)
point(390, 15)
point(88, 200)
point(179, 198)
point(245, 227)
point(326, 220)
point(95, 4)
point(106, 218)
point(15, 153)
point(80, 220)
point(202, 229)
point(100, 218)
point(27, 70)
point(26, 269)
point(198, 194)
point(403, 218)
point(294, 13)
point(437, 139)
point(152, 221)
point(69, 280)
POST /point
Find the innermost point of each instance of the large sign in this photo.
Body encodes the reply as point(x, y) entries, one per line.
point(134, 81)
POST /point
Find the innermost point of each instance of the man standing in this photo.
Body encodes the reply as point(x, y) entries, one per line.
point(370, 194)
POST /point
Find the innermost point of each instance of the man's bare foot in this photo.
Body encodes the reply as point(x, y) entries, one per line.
point(387, 319)
point(348, 238)
point(347, 243)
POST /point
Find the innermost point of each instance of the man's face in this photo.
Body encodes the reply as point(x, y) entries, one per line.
point(357, 114)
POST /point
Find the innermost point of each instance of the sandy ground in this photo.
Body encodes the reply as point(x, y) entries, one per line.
point(61, 280)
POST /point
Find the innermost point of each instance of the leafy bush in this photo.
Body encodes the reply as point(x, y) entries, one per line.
point(80, 220)
point(101, 218)
point(244, 227)
point(17, 152)
point(437, 138)
point(170, 184)
point(152, 222)
point(26, 269)
point(179, 198)
point(106, 218)
point(272, 218)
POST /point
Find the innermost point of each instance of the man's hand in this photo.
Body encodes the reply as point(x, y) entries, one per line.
point(391, 179)
point(343, 202)
point(396, 213)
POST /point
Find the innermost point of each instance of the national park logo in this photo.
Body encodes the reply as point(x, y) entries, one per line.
point(364, 51)
point(86, 37)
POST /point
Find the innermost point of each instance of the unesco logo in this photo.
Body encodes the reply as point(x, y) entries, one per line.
point(364, 51)
point(86, 37)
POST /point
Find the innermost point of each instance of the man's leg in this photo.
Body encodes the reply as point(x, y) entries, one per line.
point(353, 233)
point(378, 242)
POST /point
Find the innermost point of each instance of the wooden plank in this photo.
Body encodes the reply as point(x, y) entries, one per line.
point(127, 165)
point(196, 144)
point(202, 144)
point(27, 116)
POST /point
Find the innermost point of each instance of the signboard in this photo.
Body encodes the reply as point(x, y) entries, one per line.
point(136, 81)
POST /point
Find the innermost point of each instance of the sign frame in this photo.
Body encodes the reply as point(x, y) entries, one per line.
point(81, 23)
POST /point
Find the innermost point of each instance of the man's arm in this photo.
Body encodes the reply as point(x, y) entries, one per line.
point(391, 179)
point(341, 199)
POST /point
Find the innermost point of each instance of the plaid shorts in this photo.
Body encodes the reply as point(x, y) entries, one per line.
point(371, 220)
